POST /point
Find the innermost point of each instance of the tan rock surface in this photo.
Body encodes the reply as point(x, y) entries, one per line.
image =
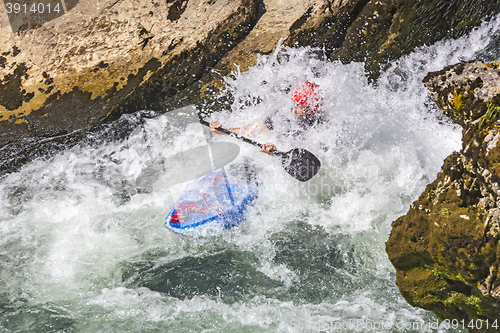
point(277, 20)
point(122, 37)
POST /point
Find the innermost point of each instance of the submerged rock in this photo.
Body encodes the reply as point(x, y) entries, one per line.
point(446, 249)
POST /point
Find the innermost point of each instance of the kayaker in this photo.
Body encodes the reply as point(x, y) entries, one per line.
point(307, 100)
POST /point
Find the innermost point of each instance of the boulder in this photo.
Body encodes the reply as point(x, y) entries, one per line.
point(378, 31)
point(446, 249)
point(104, 58)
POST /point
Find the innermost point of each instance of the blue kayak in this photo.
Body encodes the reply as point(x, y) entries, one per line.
point(209, 205)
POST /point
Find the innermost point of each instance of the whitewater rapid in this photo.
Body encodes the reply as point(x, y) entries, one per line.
point(83, 247)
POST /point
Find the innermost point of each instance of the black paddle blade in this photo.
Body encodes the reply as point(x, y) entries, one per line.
point(300, 164)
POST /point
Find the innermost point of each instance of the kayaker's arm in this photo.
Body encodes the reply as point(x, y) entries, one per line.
point(267, 148)
point(299, 163)
point(248, 130)
point(214, 125)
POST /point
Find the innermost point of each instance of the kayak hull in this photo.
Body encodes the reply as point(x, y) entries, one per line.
point(210, 205)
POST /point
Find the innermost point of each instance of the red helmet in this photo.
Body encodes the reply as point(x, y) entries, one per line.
point(308, 94)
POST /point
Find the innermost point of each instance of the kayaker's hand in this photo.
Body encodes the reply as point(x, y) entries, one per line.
point(213, 126)
point(266, 148)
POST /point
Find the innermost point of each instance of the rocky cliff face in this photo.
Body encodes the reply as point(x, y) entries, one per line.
point(377, 31)
point(102, 59)
point(446, 248)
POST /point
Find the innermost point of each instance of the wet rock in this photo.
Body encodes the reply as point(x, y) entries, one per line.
point(103, 59)
point(446, 255)
point(464, 92)
point(278, 19)
point(377, 31)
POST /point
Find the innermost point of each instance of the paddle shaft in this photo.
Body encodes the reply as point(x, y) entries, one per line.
point(242, 138)
point(299, 163)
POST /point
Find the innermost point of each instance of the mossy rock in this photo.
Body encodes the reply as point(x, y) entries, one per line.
point(446, 248)
point(376, 32)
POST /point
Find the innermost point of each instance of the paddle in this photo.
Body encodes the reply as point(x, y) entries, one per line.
point(299, 163)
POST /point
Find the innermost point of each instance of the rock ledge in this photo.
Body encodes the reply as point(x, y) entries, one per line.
point(446, 249)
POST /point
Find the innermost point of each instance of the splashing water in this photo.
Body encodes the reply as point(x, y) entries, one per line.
point(84, 249)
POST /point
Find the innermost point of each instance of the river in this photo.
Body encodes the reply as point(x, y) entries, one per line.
point(83, 246)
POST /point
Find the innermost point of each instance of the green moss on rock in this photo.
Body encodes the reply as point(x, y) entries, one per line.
point(376, 32)
point(445, 249)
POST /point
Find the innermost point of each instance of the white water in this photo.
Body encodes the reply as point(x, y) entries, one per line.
point(83, 247)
